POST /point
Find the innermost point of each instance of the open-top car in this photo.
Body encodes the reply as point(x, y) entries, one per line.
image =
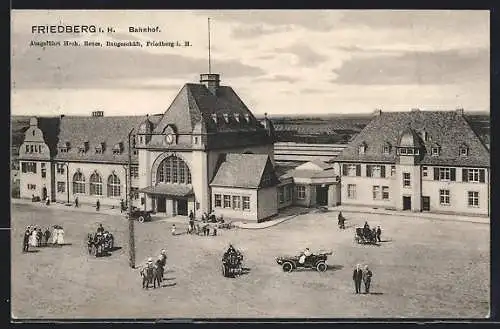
point(141, 215)
point(315, 261)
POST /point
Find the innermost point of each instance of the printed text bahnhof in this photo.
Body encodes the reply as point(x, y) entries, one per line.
point(59, 29)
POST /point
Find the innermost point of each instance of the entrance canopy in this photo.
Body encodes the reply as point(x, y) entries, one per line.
point(172, 190)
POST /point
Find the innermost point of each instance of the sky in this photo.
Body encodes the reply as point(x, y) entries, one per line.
point(278, 61)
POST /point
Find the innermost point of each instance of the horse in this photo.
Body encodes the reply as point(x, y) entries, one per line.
point(150, 275)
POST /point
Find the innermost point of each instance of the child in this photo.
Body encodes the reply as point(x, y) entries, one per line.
point(173, 229)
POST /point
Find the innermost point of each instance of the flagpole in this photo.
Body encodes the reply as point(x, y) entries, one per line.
point(209, 62)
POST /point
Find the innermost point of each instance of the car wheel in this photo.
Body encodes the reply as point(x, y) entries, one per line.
point(141, 219)
point(321, 267)
point(287, 267)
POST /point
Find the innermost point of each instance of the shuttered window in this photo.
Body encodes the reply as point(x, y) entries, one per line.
point(358, 170)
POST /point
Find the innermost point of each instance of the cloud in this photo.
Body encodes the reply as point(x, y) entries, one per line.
point(317, 20)
point(253, 31)
point(442, 67)
point(72, 67)
point(280, 78)
point(306, 56)
point(439, 20)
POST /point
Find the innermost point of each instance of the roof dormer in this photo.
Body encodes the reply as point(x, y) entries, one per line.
point(247, 117)
point(100, 148)
point(386, 148)
point(214, 117)
point(83, 148)
point(236, 117)
point(118, 148)
point(435, 149)
point(463, 149)
point(63, 147)
point(362, 148)
point(226, 117)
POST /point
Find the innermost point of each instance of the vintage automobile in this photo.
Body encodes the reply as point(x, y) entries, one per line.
point(316, 261)
point(141, 215)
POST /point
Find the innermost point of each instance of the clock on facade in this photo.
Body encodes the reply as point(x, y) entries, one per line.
point(169, 138)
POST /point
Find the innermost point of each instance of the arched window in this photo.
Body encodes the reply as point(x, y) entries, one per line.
point(113, 185)
point(79, 183)
point(95, 184)
point(173, 170)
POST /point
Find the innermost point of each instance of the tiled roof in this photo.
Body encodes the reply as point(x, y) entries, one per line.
point(241, 170)
point(196, 104)
point(111, 131)
point(448, 129)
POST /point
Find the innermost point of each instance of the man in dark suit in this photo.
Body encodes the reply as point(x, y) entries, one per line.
point(357, 276)
point(379, 233)
point(26, 239)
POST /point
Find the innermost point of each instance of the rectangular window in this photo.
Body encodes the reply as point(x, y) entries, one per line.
point(444, 173)
point(281, 195)
point(424, 171)
point(406, 179)
point(30, 167)
point(31, 187)
point(227, 201)
point(393, 170)
point(473, 199)
point(385, 192)
point(301, 192)
point(376, 171)
point(402, 151)
point(218, 201)
point(351, 191)
point(23, 167)
point(351, 170)
point(60, 168)
point(61, 187)
point(246, 203)
point(236, 202)
point(376, 192)
point(168, 171)
point(473, 175)
point(175, 170)
point(444, 197)
point(134, 171)
point(27, 149)
point(182, 173)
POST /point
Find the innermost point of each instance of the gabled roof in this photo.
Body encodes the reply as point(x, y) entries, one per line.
point(242, 170)
point(196, 104)
point(111, 130)
point(447, 129)
point(314, 165)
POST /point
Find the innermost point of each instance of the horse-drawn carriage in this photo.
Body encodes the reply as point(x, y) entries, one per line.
point(232, 263)
point(365, 236)
point(100, 243)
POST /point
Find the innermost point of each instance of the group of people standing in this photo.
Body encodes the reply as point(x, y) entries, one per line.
point(362, 275)
point(35, 237)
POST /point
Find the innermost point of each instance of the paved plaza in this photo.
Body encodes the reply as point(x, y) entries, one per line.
point(423, 268)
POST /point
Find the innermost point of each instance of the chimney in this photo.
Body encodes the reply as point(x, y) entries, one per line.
point(211, 81)
point(96, 114)
point(377, 112)
point(460, 111)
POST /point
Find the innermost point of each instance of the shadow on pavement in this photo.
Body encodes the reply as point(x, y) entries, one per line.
point(334, 267)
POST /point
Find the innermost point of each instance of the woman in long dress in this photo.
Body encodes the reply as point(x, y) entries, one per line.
point(33, 238)
point(55, 236)
point(60, 238)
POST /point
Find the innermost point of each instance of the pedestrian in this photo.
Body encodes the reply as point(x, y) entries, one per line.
point(357, 276)
point(39, 237)
point(173, 229)
point(47, 202)
point(367, 278)
point(60, 236)
point(379, 233)
point(26, 240)
point(191, 221)
point(97, 205)
point(76, 202)
point(341, 221)
point(54, 236)
point(33, 238)
point(122, 206)
point(46, 235)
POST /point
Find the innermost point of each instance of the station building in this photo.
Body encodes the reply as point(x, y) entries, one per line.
point(417, 161)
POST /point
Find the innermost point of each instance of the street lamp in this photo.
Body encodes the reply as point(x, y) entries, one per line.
point(131, 239)
point(67, 182)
